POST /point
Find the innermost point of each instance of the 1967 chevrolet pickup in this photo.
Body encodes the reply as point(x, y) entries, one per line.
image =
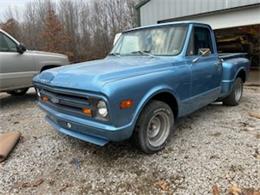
point(153, 75)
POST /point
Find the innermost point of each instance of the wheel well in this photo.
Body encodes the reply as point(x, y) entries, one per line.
point(242, 75)
point(48, 67)
point(169, 99)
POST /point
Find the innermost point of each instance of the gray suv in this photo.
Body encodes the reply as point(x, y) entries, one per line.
point(18, 65)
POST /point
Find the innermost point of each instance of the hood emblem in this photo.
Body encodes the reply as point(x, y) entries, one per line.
point(54, 100)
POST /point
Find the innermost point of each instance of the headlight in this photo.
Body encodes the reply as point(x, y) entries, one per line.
point(102, 109)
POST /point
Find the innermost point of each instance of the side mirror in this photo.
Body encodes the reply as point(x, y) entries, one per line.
point(203, 52)
point(116, 38)
point(21, 48)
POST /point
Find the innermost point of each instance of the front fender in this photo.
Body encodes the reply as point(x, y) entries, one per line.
point(145, 100)
point(134, 113)
point(142, 88)
point(149, 95)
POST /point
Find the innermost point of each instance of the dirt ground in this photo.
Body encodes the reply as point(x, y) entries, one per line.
point(216, 147)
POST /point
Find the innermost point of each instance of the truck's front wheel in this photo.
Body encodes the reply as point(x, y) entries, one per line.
point(236, 94)
point(154, 126)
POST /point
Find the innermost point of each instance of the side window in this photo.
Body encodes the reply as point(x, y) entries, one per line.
point(200, 39)
point(6, 44)
point(3, 44)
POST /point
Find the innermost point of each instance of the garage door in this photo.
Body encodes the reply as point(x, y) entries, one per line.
point(227, 19)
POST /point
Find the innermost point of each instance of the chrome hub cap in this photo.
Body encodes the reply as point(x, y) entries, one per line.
point(158, 129)
point(238, 92)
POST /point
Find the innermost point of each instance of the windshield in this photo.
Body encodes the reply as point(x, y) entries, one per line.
point(167, 40)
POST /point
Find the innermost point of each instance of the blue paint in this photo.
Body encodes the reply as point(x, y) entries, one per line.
point(140, 78)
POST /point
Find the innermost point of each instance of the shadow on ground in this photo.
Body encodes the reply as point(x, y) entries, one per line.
point(8, 100)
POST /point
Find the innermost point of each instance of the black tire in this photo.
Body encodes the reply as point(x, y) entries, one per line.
point(48, 67)
point(236, 94)
point(149, 136)
point(18, 92)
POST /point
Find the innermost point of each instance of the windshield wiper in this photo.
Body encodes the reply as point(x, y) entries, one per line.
point(147, 53)
point(114, 54)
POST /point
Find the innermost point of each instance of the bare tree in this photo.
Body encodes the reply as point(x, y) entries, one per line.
point(12, 27)
point(53, 33)
point(83, 29)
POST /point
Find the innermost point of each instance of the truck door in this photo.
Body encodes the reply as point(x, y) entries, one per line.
point(16, 70)
point(206, 68)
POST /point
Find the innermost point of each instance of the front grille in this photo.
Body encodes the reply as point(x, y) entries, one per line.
point(67, 102)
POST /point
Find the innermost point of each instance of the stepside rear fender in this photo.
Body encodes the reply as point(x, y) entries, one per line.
point(231, 69)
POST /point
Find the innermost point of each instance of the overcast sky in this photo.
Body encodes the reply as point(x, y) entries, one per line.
point(18, 4)
point(5, 4)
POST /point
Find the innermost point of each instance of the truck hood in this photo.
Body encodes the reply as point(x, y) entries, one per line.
point(93, 75)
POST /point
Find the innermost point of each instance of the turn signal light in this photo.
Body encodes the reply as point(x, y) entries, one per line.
point(45, 98)
point(126, 104)
point(87, 111)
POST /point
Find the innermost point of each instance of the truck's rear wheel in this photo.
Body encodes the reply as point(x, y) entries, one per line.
point(153, 127)
point(236, 94)
point(18, 92)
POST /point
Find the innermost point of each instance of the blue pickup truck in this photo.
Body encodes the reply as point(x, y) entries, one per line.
point(153, 76)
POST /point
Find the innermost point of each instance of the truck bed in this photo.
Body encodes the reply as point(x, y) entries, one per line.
point(226, 56)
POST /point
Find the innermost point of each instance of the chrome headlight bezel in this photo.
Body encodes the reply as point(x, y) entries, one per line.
point(102, 110)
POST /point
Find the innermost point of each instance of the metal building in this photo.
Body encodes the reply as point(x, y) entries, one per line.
point(218, 13)
point(236, 22)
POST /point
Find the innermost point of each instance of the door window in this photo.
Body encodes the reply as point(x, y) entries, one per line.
point(6, 44)
point(200, 39)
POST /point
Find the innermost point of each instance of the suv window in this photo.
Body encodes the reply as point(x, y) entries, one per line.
point(200, 39)
point(6, 44)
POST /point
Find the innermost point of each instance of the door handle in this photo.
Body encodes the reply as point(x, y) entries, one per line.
point(219, 62)
point(218, 65)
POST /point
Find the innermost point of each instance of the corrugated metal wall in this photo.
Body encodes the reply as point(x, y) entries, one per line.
point(157, 10)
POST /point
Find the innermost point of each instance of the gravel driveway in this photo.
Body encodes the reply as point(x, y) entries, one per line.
point(216, 146)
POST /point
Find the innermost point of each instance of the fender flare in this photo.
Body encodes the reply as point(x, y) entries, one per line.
point(148, 96)
point(238, 71)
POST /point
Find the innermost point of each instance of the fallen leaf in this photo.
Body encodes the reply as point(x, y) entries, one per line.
point(255, 115)
point(234, 190)
point(38, 182)
point(163, 185)
point(250, 191)
point(215, 190)
point(31, 184)
point(25, 185)
point(256, 154)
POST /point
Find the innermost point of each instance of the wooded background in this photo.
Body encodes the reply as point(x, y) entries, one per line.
point(82, 29)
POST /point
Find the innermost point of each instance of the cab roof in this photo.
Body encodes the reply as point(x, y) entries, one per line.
point(166, 24)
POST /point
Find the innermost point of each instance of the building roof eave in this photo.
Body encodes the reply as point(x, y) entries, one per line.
point(142, 3)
